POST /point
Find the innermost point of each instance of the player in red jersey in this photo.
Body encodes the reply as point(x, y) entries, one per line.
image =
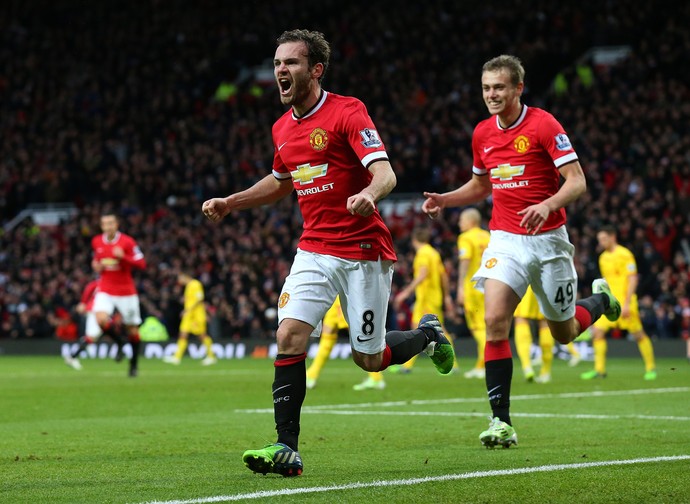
point(92, 331)
point(328, 151)
point(115, 254)
point(519, 157)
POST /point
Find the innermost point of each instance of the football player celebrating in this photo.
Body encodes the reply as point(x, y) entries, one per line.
point(519, 155)
point(327, 150)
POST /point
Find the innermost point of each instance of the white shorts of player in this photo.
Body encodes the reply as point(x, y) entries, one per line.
point(364, 287)
point(544, 261)
point(128, 306)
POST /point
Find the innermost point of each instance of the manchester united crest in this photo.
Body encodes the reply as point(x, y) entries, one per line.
point(521, 144)
point(318, 139)
point(283, 300)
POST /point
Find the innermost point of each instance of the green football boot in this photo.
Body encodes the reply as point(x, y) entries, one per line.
point(274, 458)
point(498, 433)
point(592, 374)
point(439, 350)
point(601, 286)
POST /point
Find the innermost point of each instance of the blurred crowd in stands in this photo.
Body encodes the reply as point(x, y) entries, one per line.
point(149, 108)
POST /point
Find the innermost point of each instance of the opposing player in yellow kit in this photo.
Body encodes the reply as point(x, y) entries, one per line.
point(618, 267)
point(193, 321)
point(528, 310)
point(430, 287)
point(333, 322)
point(472, 242)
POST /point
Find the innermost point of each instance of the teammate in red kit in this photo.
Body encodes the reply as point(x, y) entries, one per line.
point(327, 149)
point(115, 254)
point(519, 157)
point(92, 331)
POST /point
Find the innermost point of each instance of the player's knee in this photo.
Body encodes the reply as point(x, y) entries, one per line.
point(497, 324)
point(563, 338)
point(292, 340)
point(367, 362)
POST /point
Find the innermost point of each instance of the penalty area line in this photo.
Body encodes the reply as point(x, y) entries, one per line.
point(417, 481)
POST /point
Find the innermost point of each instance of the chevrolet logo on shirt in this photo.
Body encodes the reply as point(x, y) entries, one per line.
point(507, 172)
point(306, 173)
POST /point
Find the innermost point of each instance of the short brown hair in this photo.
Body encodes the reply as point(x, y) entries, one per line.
point(507, 62)
point(422, 234)
point(609, 230)
point(318, 48)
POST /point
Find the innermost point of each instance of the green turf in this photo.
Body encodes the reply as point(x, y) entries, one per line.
point(177, 433)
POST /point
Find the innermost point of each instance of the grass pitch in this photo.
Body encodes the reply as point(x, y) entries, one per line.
point(177, 433)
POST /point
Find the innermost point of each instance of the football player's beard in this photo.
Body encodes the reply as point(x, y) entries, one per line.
point(299, 93)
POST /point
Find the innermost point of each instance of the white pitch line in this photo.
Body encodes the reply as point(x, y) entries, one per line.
point(457, 400)
point(579, 416)
point(417, 481)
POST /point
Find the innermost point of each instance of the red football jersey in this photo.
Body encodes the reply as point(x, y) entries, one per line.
point(327, 153)
point(522, 161)
point(89, 293)
point(116, 277)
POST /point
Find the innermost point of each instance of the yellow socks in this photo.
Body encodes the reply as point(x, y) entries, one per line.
point(600, 347)
point(181, 348)
point(523, 343)
point(546, 343)
point(647, 352)
point(480, 338)
point(326, 344)
point(207, 343)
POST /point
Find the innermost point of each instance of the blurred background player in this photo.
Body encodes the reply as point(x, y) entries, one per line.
point(618, 267)
point(334, 322)
point(472, 242)
point(527, 311)
point(92, 331)
point(429, 285)
point(193, 321)
point(115, 254)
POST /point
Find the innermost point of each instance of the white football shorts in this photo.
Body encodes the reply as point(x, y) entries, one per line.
point(364, 287)
point(544, 261)
point(128, 306)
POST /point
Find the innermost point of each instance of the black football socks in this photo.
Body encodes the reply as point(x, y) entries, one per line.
point(289, 391)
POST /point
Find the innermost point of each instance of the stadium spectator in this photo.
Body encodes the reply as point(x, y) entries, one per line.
point(154, 142)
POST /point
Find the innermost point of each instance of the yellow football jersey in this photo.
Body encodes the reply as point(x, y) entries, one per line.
point(617, 267)
point(194, 319)
point(334, 317)
point(529, 306)
point(193, 293)
point(429, 293)
point(471, 246)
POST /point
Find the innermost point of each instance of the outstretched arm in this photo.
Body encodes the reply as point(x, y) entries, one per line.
point(475, 189)
point(267, 190)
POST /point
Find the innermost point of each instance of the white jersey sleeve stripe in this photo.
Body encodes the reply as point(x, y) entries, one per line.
point(478, 171)
point(281, 176)
point(565, 159)
point(374, 156)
